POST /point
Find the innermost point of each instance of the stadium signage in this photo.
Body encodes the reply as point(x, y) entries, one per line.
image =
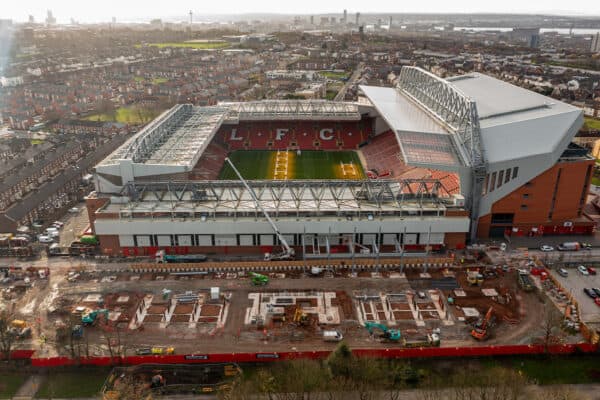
point(267, 355)
point(324, 134)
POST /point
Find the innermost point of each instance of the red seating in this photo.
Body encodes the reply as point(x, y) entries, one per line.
point(210, 163)
point(383, 155)
point(306, 135)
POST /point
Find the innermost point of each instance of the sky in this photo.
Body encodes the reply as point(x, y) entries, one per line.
point(127, 10)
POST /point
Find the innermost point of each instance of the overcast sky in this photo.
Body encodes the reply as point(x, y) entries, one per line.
point(123, 10)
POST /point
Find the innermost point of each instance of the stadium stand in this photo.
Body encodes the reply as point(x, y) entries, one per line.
point(306, 135)
point(210, 163)
point(383, 156)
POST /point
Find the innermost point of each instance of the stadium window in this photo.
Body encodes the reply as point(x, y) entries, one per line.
point(493, 182)
point(507, 175)
point(525, 195)
point(500, 178)
point(515, 172)
point(523, 206)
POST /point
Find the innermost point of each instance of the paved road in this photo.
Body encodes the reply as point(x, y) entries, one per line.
point(355, 75)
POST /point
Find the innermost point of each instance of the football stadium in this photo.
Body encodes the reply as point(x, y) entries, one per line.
point(425, 166)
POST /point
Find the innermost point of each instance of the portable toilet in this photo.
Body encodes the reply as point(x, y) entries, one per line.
point(214, 293)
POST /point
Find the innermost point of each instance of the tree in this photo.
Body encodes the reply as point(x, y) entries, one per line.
point(551, 328)
point(7, 336)
point(558, 392)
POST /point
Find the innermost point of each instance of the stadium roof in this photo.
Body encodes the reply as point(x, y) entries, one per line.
point(292, 109)
point(303, 196)
point(510, 115)
point(423, 140)
point(176, 138)
point(513, 122)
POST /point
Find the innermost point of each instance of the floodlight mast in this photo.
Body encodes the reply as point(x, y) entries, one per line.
point(288, 253)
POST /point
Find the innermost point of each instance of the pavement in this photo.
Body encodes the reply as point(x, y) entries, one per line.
point(29, 388)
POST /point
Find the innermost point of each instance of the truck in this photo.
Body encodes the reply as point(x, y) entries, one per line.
point(475, 278)
point(569, 246)
point(431, 340)
point(524, 281)
point(161, 257)
point(91, 317)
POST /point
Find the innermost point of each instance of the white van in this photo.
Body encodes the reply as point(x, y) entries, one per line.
point(332, 336)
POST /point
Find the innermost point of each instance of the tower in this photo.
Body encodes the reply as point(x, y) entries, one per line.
point(357, 17)
point(345, 20)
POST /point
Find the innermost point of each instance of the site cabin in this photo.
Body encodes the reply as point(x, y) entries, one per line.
point(332, 336)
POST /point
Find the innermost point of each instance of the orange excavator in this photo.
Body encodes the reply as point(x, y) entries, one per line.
point(481, 329)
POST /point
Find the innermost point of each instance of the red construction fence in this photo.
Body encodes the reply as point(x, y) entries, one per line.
point(422, 352)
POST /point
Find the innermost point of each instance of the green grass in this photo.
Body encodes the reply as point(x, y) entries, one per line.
point(592, 123)
point(335, 75)
point(596, 181)
point(258, 164)
point(561, 370)
point(124, 115)
point(191, 45)
point(139, 78)
point(158, 81)
point(330, 94)
point(10, 382)
point(72, 384)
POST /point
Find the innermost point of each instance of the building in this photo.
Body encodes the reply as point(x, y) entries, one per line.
point(595, 45)
point(447, 160)
point(529, 36)
point(50, 19)
point(511, 148)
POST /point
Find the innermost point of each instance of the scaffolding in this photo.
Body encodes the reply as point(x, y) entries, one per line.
point(292, 109)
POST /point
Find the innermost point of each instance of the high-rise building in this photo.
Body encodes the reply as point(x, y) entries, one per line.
point(357, 17)
point(390, 22)
point(312, 19)
point(595, 47)
point(345, 20)
point(50, 19)
point(31, 19)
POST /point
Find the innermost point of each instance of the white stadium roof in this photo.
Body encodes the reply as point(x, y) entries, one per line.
point(513, 122)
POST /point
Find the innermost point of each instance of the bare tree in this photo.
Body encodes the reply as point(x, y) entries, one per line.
point(551, 328)
point(558, 392)
point(7, 336)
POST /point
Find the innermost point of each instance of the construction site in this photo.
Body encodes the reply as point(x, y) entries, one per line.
point(95, 309)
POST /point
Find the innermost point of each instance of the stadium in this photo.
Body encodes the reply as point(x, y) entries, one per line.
point(425, 166)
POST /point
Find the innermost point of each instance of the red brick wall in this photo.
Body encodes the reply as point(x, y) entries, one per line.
point(537, 197)
point(92, 205)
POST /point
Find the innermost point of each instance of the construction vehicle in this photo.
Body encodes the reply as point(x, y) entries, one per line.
point(288, 253)
point(19, 329)
point(300, 317)
point(431, 340)
point(259, 279)
point(393, 335)
point(155, 351)
point(475, 278)
point(91, 317)
point(524, 281)
point(162, 257)
point(481, 329)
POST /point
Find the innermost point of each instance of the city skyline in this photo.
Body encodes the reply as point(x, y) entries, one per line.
point(65, 10)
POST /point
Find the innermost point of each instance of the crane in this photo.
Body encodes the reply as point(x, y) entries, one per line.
point(288, 253)
point(393, 335)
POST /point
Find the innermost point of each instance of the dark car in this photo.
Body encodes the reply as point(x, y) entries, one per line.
point(590, 293)
point(597, 291)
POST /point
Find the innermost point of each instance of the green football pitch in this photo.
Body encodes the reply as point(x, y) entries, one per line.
point(268, 164)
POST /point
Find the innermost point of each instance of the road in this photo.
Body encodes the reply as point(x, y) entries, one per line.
point(355, 76)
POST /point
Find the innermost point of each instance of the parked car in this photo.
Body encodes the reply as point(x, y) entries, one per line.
point(583, 270)
point(545, 247)
point(74, 210)
point(591, 270)
point(586, 245)
point(597, 301)
point(590, 293)
point(563, 272)
point(45, 239)
point(596, 290)
point(58, 224)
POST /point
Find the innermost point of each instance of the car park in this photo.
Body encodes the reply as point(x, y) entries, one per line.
point(546, 247)
point(563, 272)
point(583, 270)
point(590, 293)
